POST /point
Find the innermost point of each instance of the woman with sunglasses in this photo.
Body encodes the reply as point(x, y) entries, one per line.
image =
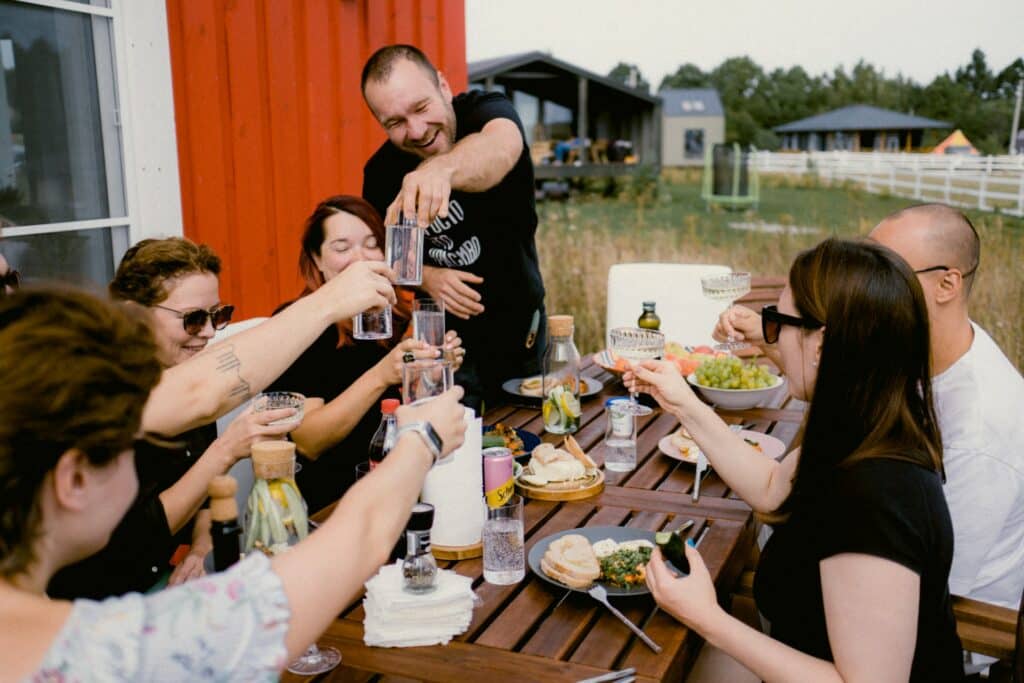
point(350, 376)
point(854, 578)
point(77, 373)
point(177, 281)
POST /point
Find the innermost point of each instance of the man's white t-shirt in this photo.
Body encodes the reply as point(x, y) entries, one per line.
point(979, 401)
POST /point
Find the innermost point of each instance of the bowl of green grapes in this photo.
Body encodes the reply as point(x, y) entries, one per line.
point(732, 384)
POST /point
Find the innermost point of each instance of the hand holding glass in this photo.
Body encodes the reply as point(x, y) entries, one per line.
point(727, 288)
point(403, 251)
point(636, 345)
point(425, 379)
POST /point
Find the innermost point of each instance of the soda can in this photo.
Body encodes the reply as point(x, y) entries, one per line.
point(499, 482)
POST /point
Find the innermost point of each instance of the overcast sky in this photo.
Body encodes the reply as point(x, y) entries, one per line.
point(919, 38)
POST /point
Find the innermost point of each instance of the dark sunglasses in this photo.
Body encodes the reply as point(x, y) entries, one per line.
point(195, 321)
point(11, 278)
point(772, 322)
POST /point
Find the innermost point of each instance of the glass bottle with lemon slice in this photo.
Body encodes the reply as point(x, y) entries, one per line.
point(276, 513)
point(561, 379)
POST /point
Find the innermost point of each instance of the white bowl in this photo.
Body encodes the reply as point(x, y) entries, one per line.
point(738, 399)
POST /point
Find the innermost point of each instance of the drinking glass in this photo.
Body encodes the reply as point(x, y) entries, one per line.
point(374, 323)
point(428, 321)
point(314, 660)
point(403, 251)
point(634, 345)
point(727, 288)
point(504, 556)
point(277, 400)
point(424, 379)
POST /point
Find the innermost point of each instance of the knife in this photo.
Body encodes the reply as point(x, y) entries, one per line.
point(702, 466)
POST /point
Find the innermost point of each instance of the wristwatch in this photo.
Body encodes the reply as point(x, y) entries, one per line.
point(426, 432)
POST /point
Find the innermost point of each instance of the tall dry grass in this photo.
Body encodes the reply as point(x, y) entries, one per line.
point(580, 239)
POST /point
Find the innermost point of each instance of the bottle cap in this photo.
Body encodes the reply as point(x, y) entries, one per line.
point(422, 517)
point(649, 304)
point(615, 399)
point(389, 405)
point(273, 459)
point(560, 325)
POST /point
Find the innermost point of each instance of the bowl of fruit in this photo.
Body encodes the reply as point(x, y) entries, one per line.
point(733, 384)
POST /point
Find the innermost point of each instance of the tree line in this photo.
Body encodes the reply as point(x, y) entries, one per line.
point(974, 98)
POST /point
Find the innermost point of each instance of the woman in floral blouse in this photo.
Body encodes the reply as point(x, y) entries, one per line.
point(76, 373)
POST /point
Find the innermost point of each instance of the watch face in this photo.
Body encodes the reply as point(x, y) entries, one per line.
point(434, 438)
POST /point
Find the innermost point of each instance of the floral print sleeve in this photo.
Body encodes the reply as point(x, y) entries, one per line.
point(225, 627)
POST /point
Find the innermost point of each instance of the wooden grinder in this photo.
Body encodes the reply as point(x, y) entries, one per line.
point(223, 507)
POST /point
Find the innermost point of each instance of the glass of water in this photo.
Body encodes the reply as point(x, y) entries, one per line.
point(425, 378)
point(403, 251)
point(372, 324)
point(620, 436)
point(504, 555)
point(428, 321)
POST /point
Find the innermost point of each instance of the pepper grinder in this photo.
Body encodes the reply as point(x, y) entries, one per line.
point(419, 569)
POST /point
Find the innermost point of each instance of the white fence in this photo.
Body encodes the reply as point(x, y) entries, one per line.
point(985, 183)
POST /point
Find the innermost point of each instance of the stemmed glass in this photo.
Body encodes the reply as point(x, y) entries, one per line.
point(314, 660)
point(635, 345)
point(728, 288)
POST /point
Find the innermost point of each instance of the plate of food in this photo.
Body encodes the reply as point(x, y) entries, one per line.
point(565, 473)
point(680, 446)
point(530, 387)
point(686, 358)
point(575, 559)
point(519, 441)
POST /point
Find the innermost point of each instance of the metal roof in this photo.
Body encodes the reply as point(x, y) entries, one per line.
point(503, 66)
point(691, 102)
point(860, 117)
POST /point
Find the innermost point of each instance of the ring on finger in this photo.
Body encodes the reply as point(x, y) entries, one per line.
point(408, 357)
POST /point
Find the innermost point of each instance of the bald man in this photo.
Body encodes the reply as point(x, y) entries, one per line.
point(979, 401)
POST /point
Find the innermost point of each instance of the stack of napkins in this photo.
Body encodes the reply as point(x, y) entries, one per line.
point(396, 618)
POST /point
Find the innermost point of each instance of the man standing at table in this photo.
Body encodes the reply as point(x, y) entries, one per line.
point(979, 402)
point(462, 167)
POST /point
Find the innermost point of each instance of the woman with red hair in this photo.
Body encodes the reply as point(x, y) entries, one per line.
point(351, 376)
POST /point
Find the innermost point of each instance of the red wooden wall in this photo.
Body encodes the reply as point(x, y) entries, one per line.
point(270, 119)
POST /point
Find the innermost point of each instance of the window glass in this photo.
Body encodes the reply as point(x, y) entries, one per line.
point(60, 150)
point(82, 257)
point(693, 143)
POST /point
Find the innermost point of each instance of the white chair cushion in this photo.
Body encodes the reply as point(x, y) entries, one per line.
point(687, 316)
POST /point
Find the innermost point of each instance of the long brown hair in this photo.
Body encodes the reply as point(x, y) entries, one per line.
point(872, 397)
point(76, 372)
point(313, 242)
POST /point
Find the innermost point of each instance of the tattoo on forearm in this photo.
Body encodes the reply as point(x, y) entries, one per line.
point(227, 362)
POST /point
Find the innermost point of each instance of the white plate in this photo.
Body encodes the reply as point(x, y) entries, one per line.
point(770, 446)
point(512, 386)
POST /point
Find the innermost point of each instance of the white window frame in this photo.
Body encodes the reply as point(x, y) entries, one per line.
point(145, 119)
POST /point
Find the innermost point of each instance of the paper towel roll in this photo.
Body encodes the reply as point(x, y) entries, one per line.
point(455, 489)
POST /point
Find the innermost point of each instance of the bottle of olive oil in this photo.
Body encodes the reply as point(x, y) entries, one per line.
point(649, 320)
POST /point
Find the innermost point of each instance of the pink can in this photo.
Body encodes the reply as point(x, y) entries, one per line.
point(499, 482)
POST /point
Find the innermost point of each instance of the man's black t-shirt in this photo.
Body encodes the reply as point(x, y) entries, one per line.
point(142, 544)
point(490, 234)
point(882, 507)
point(325, 371)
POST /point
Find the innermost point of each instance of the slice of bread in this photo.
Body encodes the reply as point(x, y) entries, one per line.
point(573, 447)
point(571, 560)
point(545, 454)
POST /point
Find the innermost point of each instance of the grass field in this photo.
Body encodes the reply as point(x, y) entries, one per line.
point(664, 220)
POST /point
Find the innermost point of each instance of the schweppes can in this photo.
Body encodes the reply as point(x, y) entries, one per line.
point(499, 483)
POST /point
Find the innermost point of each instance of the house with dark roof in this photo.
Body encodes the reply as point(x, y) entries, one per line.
point(612, 128)
point(692, 120)
point(857, 128)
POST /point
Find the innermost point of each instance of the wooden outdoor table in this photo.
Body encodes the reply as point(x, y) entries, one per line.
point(532, 631)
